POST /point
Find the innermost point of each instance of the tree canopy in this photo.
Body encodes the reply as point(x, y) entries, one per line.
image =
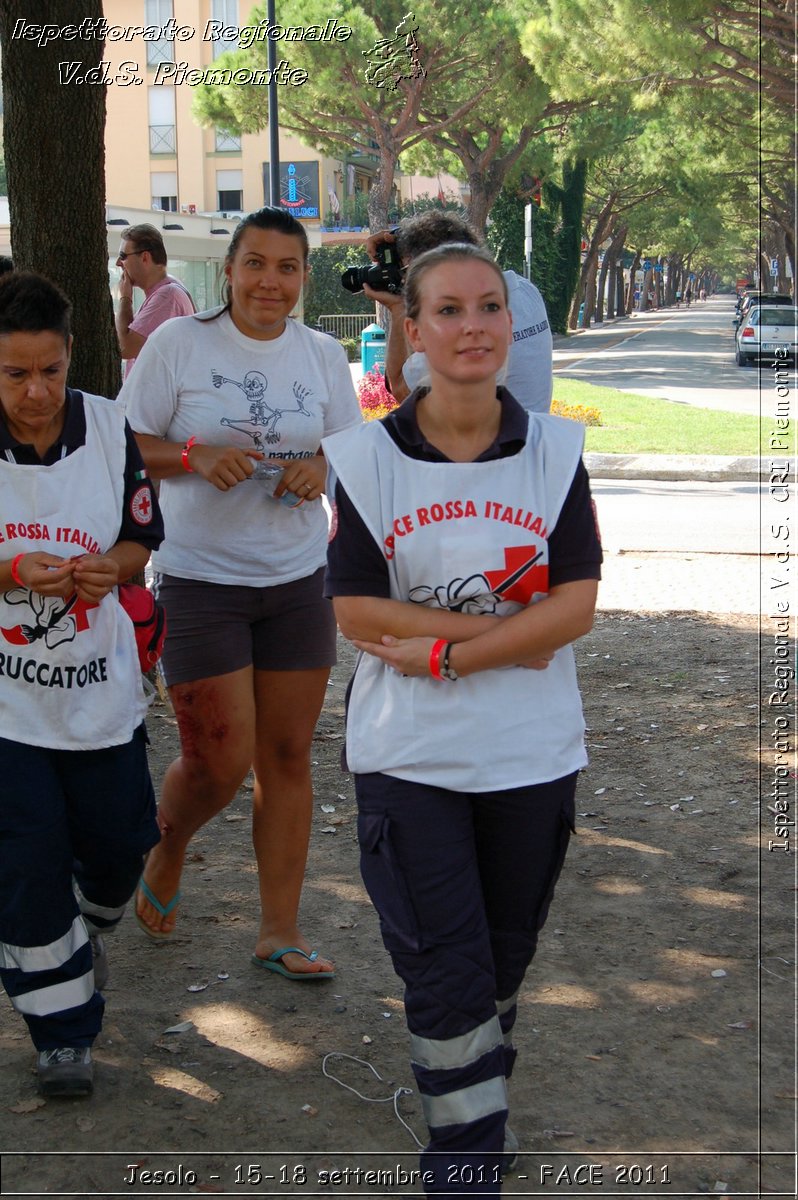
point(55, 159)
point(338, 109)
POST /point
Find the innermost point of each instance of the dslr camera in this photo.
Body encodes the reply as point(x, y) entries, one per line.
point(385, 275)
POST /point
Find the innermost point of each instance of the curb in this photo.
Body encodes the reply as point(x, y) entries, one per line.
point(707, 468)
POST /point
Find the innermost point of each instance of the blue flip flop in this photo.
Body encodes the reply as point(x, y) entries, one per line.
point(163, 909)
point(272, 963)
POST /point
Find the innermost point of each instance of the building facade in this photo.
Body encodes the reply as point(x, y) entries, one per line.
point(158, 157)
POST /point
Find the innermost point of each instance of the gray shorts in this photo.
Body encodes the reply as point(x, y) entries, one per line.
point(215, 628)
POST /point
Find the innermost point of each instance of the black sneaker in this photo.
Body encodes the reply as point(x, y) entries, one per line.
point(67, 1071)
point(100, 958)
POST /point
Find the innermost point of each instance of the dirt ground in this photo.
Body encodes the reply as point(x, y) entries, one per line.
point(655, 1059)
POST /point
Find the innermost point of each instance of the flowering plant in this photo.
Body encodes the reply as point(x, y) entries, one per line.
point(587, 414)
point(375, 399)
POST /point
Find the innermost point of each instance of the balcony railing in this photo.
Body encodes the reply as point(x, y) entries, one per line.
point(162, 139)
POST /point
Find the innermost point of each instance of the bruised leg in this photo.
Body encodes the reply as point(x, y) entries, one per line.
point(216, 720)
point(288, 704)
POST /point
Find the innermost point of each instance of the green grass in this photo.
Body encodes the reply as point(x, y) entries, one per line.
point(648, 425)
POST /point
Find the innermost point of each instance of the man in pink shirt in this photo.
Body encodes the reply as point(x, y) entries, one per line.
point(142, 258)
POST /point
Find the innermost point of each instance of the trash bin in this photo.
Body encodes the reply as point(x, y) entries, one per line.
point(372, 348)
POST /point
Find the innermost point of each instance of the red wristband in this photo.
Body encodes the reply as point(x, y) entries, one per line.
point(435, 658)
point(184, 455)
point(15, 575)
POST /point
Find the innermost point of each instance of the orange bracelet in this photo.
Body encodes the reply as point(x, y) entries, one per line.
point(15, 575)
point(435, 658)
point(184, 455)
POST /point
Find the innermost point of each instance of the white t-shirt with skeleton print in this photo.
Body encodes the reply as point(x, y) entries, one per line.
point(203, 378)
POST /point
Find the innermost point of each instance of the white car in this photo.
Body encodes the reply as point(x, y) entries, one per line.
point(769, 332)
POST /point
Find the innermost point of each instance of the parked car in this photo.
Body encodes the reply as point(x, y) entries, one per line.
point(750, 299)
point(767, 331)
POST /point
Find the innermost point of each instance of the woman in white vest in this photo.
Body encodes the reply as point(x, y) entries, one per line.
point(464, 564)
point(214, 399)
point(77, 810)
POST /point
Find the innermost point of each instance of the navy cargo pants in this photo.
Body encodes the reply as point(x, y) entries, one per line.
point(462, 884)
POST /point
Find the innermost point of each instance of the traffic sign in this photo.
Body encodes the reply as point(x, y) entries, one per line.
point(774, 268)
point(646, 264)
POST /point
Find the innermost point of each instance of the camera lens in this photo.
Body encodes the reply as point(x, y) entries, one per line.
point(353, 278)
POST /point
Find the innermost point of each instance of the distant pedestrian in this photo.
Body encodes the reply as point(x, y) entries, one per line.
point(142, 258)
point(702, 295)
point(679, 298)
point(688, 295)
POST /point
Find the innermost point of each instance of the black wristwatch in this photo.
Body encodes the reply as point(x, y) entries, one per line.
point(448, 672)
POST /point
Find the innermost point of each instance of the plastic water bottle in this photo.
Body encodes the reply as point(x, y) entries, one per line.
point(268, 476)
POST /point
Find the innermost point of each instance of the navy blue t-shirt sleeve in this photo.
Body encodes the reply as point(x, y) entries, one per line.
point(356, 565)
point(574, 543)
point(142, 521)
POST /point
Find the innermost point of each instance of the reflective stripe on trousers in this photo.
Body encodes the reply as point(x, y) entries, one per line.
point(462, 886)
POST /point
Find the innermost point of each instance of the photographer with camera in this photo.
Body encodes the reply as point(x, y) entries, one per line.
point(529, 367)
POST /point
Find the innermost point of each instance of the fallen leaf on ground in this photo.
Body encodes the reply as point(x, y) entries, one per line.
point(28, 1106)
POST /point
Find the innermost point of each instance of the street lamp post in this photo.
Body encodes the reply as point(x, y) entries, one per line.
point(274, 122)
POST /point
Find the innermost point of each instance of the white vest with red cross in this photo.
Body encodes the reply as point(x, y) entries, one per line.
point(69, 674)
point(471, 537)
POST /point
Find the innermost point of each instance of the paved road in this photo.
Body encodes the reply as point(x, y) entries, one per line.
point(686, 545)
point(682, 355)
point(685, 516)
point(681, 546)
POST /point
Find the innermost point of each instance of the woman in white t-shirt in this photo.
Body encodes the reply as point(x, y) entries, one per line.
point(465, 554)
point(250, 637)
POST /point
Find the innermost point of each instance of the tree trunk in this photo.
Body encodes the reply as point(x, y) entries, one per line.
point(382, 186)
point(601, 288)
point(619, 304)
point(590, 290)
point(587, 283)
point(630, 291)
point(481, 202)
point(615, 257)
point(645, 288)
point(608, 269)
point(679, 282)
point(485, 165)
point(671, 286)
point(486, 177)
point(572, 202)
point(55, 161)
